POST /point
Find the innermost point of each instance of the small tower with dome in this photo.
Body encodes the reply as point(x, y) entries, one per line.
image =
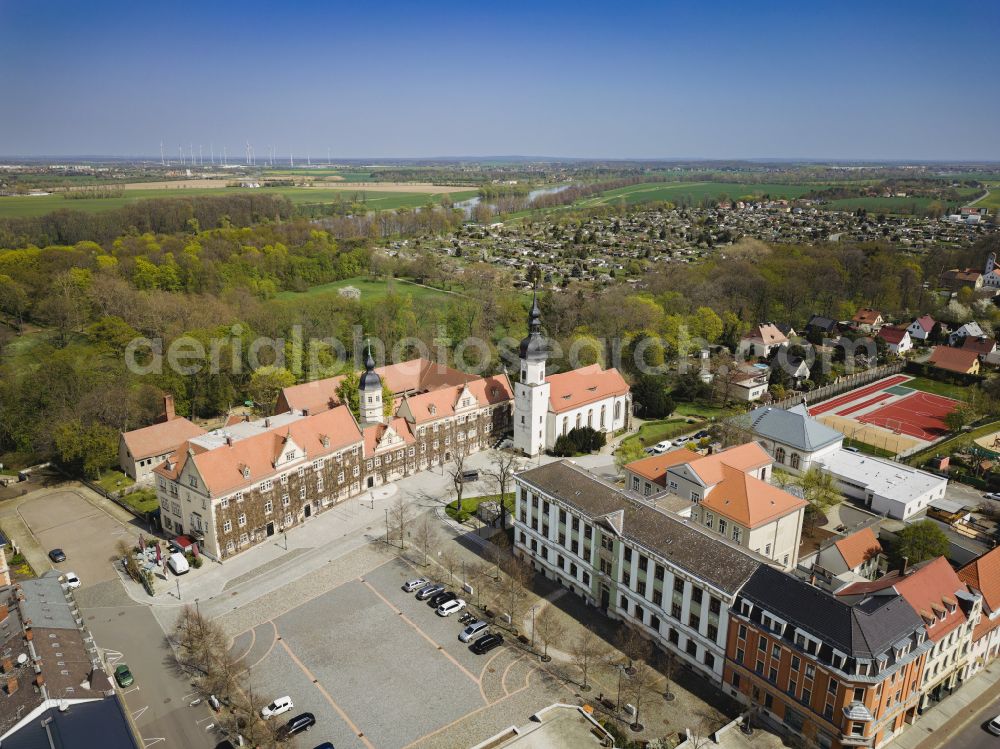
point(531, 393)
point(370, 392)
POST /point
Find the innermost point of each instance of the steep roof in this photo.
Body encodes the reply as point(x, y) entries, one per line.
point(893, 335)
point(373, 434)
point(924, 322)
point(767, 333)
point(793, 427)
point(862, 630)
point(655, 467)
point(983, 345)
point(221, 468)
point(866, 316)
point(443, 402)
point(821, 323)
point(983, 574)
point(161, 438)
point(701, 553)
point(748, 500)
point(578, 387)
point(708, 468)
point(858, 547)
point(930, 588)
point(953, 359)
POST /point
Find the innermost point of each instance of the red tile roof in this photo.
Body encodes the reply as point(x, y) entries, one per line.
point(954, 359)
point(748, 500)
point(578, 387)
point(858, 547)
point(983, 574)
point(867, 316)
point(373, 433)
point(893, 335)
point(766, 333)
point(444, 402)
point(160, 439)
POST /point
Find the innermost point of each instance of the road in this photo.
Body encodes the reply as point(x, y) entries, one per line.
point(974, 735)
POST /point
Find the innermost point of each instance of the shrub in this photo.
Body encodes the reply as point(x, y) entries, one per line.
point(579, 440)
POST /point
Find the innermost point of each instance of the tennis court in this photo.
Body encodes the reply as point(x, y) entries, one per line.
point(919, 415)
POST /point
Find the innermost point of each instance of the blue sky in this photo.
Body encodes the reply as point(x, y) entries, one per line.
point(873, 80)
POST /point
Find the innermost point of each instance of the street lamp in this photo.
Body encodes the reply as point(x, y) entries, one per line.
point(285, 534)
point(386, 526)
point(533, 626)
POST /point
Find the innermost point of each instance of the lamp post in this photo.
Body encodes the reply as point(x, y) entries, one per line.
point(178, 581)
point(533, 626)
point(618, 702)
point(386, 526)
point(285, 534)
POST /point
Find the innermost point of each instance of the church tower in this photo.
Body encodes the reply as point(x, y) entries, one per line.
point(531, 393)
point(370, 392)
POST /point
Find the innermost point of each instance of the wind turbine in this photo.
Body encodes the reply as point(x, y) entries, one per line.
point(328, 155)
point(180, 150)
point(225, 162)
point(201, 159)
point(211, 151)
point(162, 161)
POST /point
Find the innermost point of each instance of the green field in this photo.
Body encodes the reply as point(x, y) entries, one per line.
point(891, 205)
point(12, 207)
point(370, 289)
point(946, 389)
point(649, 192)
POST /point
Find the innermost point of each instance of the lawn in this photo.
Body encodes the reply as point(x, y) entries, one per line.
point(112, 481)
point(648, 192)
point(141, 500)
point(655, 431)
point(471, 504)
point(701, 411)
point(18, 206)
point(947, 389)
point(864, 447)
point(951, 445)
point(370, 289)
point(892, 205)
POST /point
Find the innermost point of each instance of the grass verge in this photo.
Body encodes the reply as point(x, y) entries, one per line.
point(471, 504)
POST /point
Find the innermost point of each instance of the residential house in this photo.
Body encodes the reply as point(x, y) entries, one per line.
point(845, 674)
point(822, 326)
point(868, 320)
point(984, 346)
point(949, 612)
point(957, 360)
point(848, 558)
point(897, 339)
point(747, 382)
point(762, 340)
point(791, 436)
point(141, 450)
point(968, 330)
point(730, 496)
point(959, 278)
point(991, 274)
point(982, 575)
point(921, 327)
point(635, 560)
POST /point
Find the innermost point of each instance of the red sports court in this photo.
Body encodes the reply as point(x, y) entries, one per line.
point(853, 395)
point(919, 415)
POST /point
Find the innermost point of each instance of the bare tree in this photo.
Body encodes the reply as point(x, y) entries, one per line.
point(459, 453)
point(550, 629)
point(633, 645)
point(668, 672)
point(450, 561)
point(640, 681)
point(499, 551)
point(425, 536)
point(513, 587)
point(477, 574)
point(399, 519)
point(585, 651)
point(505, 465)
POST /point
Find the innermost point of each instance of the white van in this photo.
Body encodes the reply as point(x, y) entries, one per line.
point(178, 564)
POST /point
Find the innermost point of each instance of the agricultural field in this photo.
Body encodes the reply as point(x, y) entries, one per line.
point(374, 197)
point(370, 289)
point(693, 191)
point(893, 205)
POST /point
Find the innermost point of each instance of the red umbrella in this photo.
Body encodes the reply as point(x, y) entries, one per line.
point(157, 553)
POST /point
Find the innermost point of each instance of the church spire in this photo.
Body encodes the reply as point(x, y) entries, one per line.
point(534, 347)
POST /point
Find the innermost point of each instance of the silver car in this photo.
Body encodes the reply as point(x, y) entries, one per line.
point(472, 630)
point(411, 585)
point(428, 591)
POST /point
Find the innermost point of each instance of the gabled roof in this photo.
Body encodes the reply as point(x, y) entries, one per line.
point(930, 588)
point(222, 468)
point(793, 427)
point(924, 322)
point(373, 434)
point(767, 333)
point(707, 468)
point(444, 402)
point(160, 439)
point(655, 467)
point(867, 316)
point(819, 322)
point(862, 630)
point(578, 387)
point(893, 335)
point(953, 359)
point(983, 574)
point(982, 345)
point(749, 501)
point(858, 547)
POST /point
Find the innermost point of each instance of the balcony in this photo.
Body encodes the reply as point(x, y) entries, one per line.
point(858, 712)
point(846, 740)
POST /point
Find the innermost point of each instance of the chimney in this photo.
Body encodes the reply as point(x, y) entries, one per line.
point(267, 423)
point(906, 564)
point(168, 408)
point(305, 411)
point(229, 440)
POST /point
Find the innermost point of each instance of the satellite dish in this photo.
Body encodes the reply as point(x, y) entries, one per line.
point(22, 659)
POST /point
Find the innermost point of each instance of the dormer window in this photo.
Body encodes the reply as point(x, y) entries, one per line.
point(746, 608)
point(245, 470)
point(432, 409)
point(324, 440)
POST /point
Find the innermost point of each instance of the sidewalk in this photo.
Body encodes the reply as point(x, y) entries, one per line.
point(938, 727)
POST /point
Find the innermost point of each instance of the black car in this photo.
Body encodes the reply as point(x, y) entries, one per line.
point(299, 723)
point(57, 555)
point(442, 598)
point(486, 643)
point(700, 435)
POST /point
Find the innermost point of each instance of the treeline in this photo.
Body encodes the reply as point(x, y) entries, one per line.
point(157, 216)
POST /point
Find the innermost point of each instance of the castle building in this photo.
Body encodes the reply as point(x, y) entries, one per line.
point(547, 406)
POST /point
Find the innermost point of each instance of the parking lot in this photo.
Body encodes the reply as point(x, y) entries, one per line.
point(87, 534)
point(379, 668)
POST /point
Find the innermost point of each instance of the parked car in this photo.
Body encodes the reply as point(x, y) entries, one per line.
point(178, 563)
point(325, 745)
point(57, 555)
point(123, 676)
point(428, 591)
point(442, 598)
point(994, 726)
point(486, 643)
point(411, 585)
point(992, 495)
point(681, 441)
point(470, 476)
point(72, 581)
point(649, 450)
point(662, 447)
point(450, 607)
point(299, 723)
point(473, 629)
point(701, 435)
point(279, 706)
